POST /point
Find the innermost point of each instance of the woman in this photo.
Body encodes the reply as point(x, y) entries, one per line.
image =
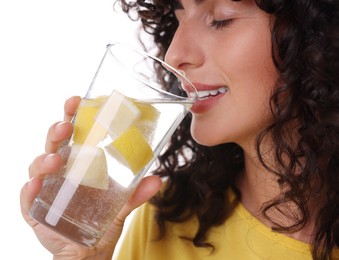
point(261, 150)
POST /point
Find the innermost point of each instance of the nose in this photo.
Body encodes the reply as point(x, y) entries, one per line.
point(184, 52)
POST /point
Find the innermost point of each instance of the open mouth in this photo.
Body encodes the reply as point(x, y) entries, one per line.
point(204, 94)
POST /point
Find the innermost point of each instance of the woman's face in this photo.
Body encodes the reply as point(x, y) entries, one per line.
point(224, 48)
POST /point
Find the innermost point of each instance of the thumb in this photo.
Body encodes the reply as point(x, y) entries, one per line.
point(146, 189)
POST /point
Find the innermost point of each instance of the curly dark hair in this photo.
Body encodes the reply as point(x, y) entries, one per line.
point(305, 49)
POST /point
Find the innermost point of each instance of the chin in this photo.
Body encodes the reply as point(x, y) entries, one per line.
point(204, 139)
point(207, 132)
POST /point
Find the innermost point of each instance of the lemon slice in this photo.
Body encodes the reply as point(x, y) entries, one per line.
point(131, 149)
point(95, 175)
point(125, 115)
point(148, 112)
point(148, 119)
point(113, 114)
point(85, 119)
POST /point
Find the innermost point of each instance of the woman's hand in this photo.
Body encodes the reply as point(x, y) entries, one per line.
point(50, 162)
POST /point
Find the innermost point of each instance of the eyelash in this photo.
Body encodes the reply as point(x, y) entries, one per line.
point(220, 24)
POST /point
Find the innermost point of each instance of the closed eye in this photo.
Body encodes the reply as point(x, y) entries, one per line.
point(220, 24)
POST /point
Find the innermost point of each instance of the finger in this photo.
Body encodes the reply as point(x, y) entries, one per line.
point(60, 131)
point(45, 164)
point(56, 135)
point(147, 188)
point(70, 107)
point(27, 194)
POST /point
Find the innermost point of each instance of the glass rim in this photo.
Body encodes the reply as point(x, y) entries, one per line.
point(165, 65)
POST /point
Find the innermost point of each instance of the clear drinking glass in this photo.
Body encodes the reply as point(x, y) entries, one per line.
point(132, 107)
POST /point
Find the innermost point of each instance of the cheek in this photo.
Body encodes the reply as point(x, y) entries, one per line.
point(250, 59)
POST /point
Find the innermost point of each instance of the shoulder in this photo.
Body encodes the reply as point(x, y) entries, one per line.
point(143, 220)
point(145, 214)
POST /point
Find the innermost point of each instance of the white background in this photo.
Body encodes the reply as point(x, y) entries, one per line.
point(49, 51)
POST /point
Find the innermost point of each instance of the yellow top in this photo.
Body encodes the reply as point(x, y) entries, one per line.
point(241, 237)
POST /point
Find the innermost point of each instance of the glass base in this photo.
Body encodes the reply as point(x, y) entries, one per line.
point(85, 236)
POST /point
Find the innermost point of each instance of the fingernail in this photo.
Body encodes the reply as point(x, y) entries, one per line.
point(30, 182)
point(60, 124)
point(48, 158)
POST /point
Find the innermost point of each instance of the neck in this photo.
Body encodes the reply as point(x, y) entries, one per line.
point(258, 186)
